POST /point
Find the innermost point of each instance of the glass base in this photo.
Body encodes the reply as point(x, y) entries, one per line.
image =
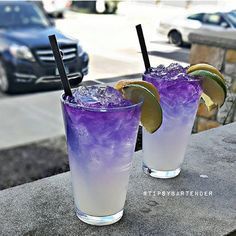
point(99, 220)
point(161, 174)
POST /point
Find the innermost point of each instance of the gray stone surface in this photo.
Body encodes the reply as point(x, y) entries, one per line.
point(45, 207)
point(36, 160)
point(220, 41)
point(203, 53)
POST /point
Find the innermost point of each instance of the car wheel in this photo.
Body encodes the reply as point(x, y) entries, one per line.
point(110, 8)
point(5, 83)
point(60, 15)
point(175, 38)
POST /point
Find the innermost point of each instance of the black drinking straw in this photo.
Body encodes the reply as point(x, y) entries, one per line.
point(60, 65)
point(143, 46)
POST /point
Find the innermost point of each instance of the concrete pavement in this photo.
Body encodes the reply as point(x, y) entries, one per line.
point(30, 118)
point(112, 42)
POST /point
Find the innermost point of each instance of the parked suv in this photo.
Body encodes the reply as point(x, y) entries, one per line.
point(26, 59)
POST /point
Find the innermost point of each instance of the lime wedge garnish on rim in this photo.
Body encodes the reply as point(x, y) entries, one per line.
point(122, 83)
point(213, 87)
point(207, 67)
point(151, 112)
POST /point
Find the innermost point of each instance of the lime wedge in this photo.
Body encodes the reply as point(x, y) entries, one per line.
point(206, 67)
point(208, 102)
point(213, 87)
point(122, 83)
point(151, 112)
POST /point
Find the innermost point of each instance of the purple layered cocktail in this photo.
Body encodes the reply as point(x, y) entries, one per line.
point(163, 151)
point(101, 129)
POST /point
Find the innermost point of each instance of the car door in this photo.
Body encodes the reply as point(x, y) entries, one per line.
point(214, 22)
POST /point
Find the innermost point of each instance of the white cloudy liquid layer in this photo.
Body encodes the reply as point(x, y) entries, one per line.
point(164, 150)
point(100, 194)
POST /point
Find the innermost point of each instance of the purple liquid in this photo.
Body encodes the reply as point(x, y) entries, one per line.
point(179, 92)
point(101, 129)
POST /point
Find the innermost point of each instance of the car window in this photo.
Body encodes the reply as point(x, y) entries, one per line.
point(232, 18)
point(233, 13)
point(21, 15)
point(214, 19)
point(198, 17)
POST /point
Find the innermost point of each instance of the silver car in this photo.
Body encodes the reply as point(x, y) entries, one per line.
point(211, 23)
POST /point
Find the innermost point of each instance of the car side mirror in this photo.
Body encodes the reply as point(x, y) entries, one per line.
point(224, 25)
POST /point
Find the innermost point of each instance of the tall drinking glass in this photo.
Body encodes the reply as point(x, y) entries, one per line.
point(101, 143)
point(163, 151)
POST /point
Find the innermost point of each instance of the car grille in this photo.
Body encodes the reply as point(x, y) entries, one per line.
point(46, 55)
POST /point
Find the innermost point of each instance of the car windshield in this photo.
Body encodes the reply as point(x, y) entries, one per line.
point(21, 15)
point(232, 18)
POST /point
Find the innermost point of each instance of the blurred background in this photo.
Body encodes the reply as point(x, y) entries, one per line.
point(98, 42)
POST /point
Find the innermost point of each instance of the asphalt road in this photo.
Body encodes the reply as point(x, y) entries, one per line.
point(113, 47)
point(112, 43)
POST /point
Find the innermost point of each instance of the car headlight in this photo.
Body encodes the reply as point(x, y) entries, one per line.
point(80, 50)
point(21, 52)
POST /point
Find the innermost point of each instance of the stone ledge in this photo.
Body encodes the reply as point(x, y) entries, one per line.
point(45, 207)
point(213, 41)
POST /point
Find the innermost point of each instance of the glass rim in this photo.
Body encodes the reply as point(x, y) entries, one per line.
point(99, 109)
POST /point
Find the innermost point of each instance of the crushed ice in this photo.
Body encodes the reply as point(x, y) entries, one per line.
point(99, 97)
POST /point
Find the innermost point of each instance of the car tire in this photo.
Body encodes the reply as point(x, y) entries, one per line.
point(175, 38)
point(110, 8)
point(6, 85)
point(60, 15)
